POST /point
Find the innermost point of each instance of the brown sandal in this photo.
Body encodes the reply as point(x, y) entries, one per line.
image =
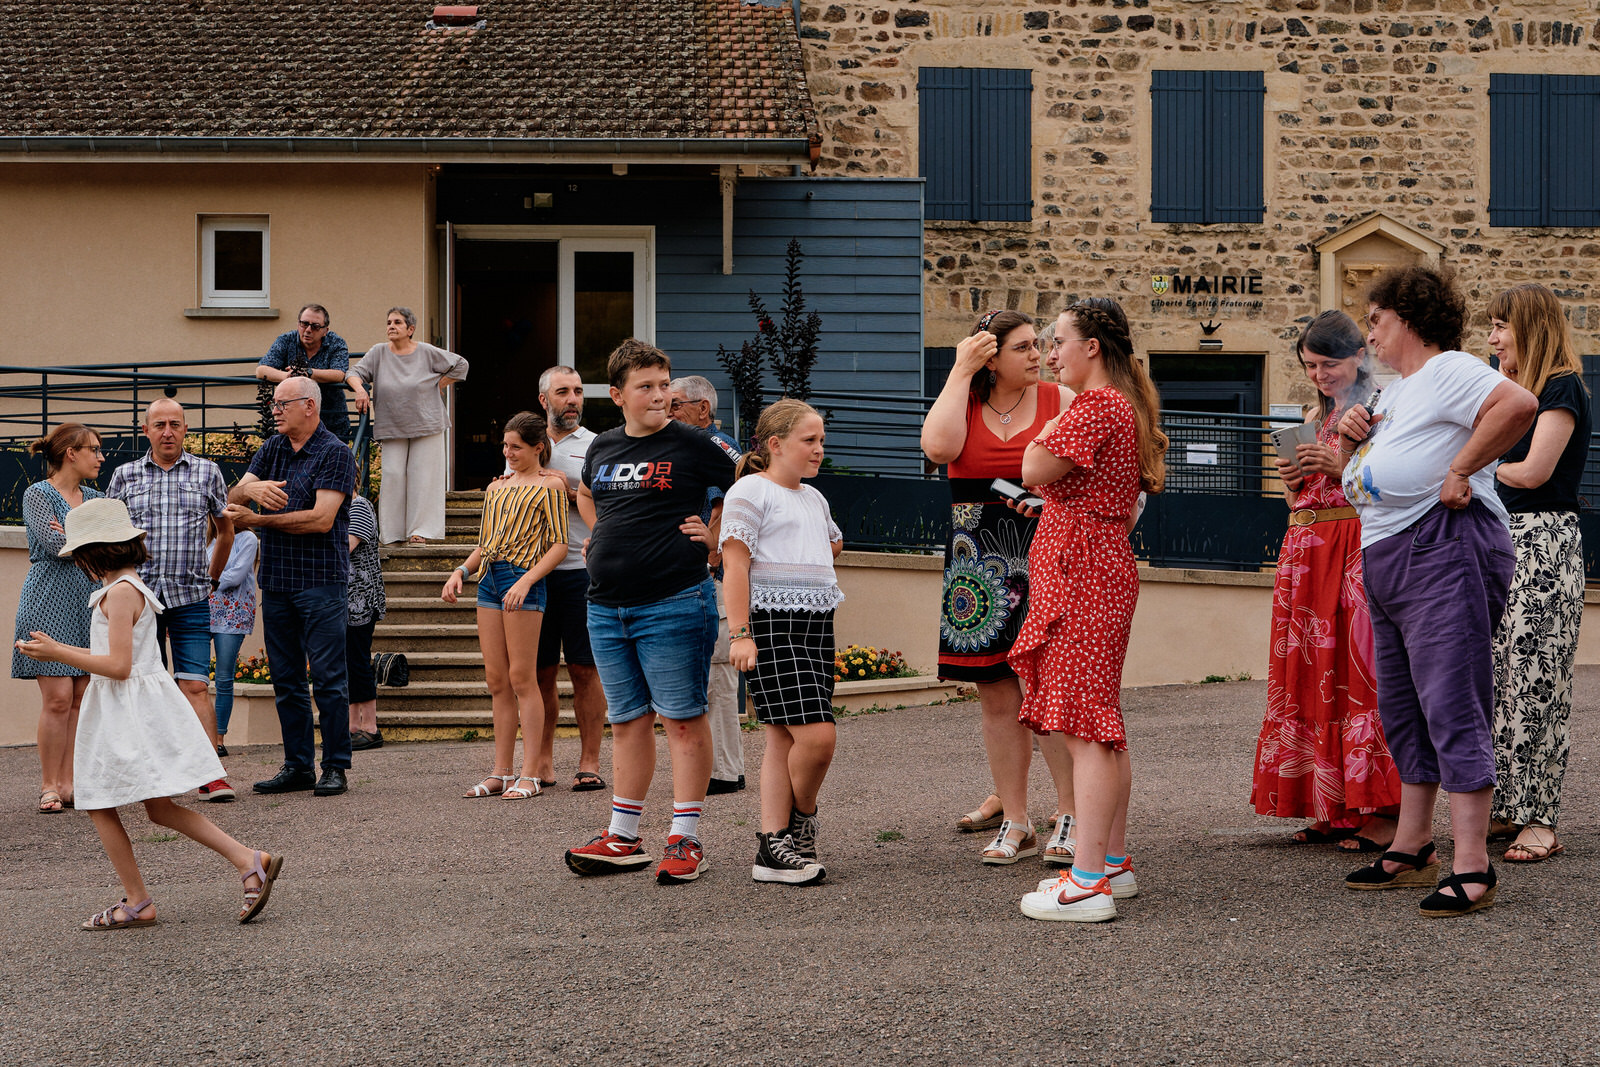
point(50, 803)
point(1535, 851)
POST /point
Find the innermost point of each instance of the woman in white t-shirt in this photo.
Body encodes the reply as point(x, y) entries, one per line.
point(1438, 563)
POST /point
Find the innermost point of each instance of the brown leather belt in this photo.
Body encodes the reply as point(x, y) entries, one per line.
point(1309, 516)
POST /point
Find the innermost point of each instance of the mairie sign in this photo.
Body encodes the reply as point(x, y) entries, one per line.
point(1206, 284)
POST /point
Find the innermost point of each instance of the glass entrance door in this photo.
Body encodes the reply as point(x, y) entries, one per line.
point(523, 298)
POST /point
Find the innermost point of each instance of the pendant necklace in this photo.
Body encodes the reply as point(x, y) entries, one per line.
point(1005, 416)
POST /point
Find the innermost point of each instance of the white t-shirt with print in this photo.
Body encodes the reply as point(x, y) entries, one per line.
point(1397, 472)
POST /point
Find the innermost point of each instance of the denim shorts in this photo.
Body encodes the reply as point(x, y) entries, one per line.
point(497, 581)
point(655, 657)
point(188, 630)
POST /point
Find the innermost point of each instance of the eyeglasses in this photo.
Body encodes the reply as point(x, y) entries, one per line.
point(676, 404)
point(1057, 342)
point(280, 405)
point(313, 326)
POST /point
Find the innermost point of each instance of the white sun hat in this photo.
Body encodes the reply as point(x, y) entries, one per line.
point(99, 521)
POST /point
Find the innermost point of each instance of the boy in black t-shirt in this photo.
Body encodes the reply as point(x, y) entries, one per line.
point(652, 608)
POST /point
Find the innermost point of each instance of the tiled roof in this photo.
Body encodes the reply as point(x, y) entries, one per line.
point(369, 68)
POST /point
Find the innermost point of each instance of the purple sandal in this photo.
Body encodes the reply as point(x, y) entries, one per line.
point(256, 899)
point(107, 920)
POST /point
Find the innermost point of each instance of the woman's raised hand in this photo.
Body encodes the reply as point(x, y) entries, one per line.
point(1357, 423)
point(975, 351)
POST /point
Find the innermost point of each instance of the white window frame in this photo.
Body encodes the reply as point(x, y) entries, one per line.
point(640, 240)
point(210, 295)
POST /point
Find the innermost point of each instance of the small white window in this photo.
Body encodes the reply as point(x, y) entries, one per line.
point(235, 261)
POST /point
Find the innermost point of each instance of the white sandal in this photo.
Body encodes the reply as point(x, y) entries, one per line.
point(520, 791)
point(1003, 851)
point(1063, 847)
point(482, 788)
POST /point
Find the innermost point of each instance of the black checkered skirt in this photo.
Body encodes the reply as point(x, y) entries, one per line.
point(793, 678)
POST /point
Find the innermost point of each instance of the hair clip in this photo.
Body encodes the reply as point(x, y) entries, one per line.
point(983, 323)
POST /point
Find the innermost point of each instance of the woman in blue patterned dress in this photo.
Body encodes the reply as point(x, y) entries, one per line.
point(990, 408)
point(55, 599)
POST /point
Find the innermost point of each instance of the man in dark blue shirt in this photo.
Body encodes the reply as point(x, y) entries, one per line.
point(325, 357)
point(302, 480)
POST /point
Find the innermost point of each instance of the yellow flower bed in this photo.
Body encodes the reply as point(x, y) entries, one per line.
point(253, 670)
point(859, 662)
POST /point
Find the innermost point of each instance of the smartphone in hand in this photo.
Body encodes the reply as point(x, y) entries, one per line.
point(1015, 492)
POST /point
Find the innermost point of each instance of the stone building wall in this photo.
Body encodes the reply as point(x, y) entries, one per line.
point(1371, 106)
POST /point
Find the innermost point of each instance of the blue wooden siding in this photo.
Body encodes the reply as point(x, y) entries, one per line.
point(1206, 145)
point(975, 143)
point(862, 272)
point(1544, 152)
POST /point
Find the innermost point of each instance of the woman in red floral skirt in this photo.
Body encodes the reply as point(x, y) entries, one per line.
point(1321, 755)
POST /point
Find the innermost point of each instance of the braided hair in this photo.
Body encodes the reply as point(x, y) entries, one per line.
point(1108, 325)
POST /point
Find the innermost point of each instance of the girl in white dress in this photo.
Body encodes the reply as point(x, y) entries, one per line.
point(138, 738)
point(778, 546)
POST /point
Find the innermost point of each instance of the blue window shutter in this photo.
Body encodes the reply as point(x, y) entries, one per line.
point(945, 110)
point(1572, 150)
point(1234, 161)
point(1003, 126)
point(1515, 150)
point(937, 363)
point(1177, 145)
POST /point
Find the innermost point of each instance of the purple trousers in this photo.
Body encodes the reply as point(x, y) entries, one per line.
point(1436, 592)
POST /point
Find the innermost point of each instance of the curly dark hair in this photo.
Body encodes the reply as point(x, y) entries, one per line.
point(1426, 300)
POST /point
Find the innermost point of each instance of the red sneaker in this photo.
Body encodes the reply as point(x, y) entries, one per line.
point(681, 861)
point(608, 854)
point(217, 792)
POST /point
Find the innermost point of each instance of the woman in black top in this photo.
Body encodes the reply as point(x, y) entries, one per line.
point(1538, 637)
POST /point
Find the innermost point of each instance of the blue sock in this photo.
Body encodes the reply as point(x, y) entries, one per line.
point(625, 816)
point(686, 818)
point(1116, 861)
point(1086, 878)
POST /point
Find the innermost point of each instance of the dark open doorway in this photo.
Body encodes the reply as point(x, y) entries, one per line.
point(506, 297)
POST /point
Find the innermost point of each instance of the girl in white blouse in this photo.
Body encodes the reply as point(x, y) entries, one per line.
point(778, 546)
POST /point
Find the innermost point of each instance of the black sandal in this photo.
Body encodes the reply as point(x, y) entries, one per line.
point(1440, 904)
point(1424, 866)
point(1363, 845)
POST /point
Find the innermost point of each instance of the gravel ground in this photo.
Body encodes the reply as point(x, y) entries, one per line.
point(412, 927)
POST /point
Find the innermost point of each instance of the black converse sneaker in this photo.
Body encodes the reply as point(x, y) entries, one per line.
point(803, 832)
point(777, 861)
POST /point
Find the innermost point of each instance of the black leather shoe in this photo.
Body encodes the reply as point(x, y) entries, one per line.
point(332, 782)
point(287, 780)
point(360, 740)
point(724, 785)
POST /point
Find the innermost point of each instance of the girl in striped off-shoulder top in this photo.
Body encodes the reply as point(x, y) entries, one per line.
point(524, 536)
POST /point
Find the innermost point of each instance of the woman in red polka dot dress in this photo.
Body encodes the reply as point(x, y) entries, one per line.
point(1088, 464)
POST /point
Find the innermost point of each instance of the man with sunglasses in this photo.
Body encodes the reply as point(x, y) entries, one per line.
point(300, 482)
point(313, 350)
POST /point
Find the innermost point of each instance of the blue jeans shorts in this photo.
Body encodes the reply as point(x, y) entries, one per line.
point(655, 657)
point(188, 630)
point(497, 582)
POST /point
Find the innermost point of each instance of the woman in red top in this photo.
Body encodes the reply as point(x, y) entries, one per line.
point(1321, 754)
point(1088, 463)
point(990, 408)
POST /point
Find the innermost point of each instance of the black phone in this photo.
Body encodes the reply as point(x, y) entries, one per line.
point(1013, 491)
